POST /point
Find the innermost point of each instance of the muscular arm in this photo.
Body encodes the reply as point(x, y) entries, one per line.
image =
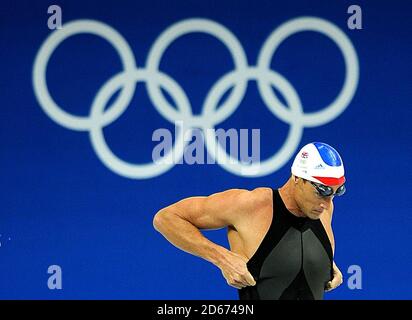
point(326, 219)
point(337, 274)
point(180, 223)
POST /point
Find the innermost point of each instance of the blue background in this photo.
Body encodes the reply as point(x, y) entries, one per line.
point(61, 205)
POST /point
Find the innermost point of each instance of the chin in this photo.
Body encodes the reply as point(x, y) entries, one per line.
point(314, 215)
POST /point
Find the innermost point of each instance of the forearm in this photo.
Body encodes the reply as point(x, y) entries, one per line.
point(187, 237)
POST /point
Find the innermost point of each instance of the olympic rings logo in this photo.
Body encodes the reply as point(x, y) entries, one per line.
point(212, 113)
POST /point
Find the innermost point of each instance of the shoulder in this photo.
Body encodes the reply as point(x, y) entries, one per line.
point(262, 195)
point(256, 198)
point(246, 198)
point(253, 209)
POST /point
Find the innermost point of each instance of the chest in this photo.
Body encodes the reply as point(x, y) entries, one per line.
point(297, 250)
point(246, 239)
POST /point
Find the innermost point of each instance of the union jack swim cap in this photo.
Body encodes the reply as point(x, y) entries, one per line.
point(320, 163)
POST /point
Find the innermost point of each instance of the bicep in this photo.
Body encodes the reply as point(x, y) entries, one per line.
point(216, 211)
point(327, 224)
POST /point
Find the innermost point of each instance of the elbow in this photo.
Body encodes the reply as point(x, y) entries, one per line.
point(159, 220)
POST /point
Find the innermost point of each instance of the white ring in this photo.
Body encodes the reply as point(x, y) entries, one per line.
point(340, 103)
point(289, 146)
point(105, 154)
point(41, 61)
point(189, 26)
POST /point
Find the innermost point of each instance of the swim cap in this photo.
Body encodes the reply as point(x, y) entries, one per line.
point(320, 163)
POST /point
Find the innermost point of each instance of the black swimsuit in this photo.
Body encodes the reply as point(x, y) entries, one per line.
point(294, 260)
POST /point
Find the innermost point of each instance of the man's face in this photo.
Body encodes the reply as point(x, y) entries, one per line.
point(310, 201)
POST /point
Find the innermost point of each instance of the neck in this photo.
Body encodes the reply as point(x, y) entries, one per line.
point(287, 192)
